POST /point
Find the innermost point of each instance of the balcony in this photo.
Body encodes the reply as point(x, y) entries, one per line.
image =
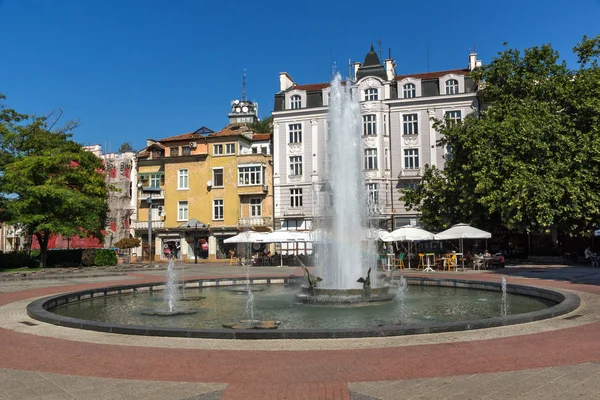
point(144, 195)
point(144, 224)
point(410, 173)
point(253, 189)
point(294, 211)
point(255, 221)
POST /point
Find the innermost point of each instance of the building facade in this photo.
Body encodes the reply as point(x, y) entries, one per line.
point(210, 186)
point(398, 135)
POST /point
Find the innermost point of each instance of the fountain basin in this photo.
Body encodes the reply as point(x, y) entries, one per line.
point(168, 313)
point(42, 310)
point(345, 297)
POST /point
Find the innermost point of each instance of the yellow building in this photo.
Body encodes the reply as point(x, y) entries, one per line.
point(212, 186)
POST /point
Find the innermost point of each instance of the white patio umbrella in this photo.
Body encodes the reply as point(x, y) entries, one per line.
point(245, 237)
point(462, 231)
point(410, 234)
point(282, 236)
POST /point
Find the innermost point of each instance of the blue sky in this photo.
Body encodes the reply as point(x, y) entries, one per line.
point(135, 69)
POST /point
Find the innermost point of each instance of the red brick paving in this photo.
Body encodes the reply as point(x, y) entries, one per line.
point(293, 374)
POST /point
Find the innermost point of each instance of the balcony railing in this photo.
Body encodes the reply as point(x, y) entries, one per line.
point(144, 224)
point(410, 172)
point(160, 195)
point(294, 211)
point(255, 221)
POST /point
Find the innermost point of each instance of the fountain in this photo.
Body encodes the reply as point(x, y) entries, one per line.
point(504, 307)
point(172, 296)
point(346, 254)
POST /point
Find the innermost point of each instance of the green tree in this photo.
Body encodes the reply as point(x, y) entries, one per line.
point(264, 126)
point(530, 158)
point(126, 148)
point(51, 184)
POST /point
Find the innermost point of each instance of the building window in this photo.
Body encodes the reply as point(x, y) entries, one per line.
point(453, 116)
point(410, 124)
point(384, 124)
point(370, 124)
point(371, 94)
point(174, 151)
point(372, 193)
point(411, 158)
point(155, 180)
point(230, 148)
point(186, 151)
point(295, 102)
point(295, 133)
point(249, 176)
point(410, 185)
point(217, 178)
point(217, 149)
point(182, 182)
point(409, 90)
point(255, 207)
point(296, 197)
point(371, 159)
point(182, 211)
point(451, 86)
point(296, 165)
point(218, 209)
point(386, 159)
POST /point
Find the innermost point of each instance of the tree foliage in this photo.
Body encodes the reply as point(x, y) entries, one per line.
point(530, 158)
point(126, 148)
point(264, 126)
point(51, 185)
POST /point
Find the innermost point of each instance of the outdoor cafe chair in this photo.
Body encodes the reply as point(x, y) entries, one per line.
point(399, 262)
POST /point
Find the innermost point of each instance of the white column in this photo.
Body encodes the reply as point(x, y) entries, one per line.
point(183, 248)
point(212, 247)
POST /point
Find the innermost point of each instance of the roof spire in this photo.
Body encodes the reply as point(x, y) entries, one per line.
point(372, 48)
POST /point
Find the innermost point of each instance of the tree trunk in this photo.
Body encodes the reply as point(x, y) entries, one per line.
point(43, 242)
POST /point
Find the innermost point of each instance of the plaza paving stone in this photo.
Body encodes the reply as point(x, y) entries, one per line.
point(557, 358)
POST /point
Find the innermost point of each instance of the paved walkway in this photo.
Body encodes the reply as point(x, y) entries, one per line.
point(557, 358)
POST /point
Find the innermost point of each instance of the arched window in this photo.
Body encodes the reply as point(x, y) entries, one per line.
point(451, 86)
point(295, 102)
point(410, 91)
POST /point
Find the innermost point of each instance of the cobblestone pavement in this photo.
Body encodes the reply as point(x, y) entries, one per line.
point(551, 359)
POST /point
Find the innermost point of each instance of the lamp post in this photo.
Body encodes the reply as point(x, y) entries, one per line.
point(196, 238)
point(149, 190)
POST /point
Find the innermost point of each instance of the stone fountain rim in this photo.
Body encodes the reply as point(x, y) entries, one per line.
point(41, 310)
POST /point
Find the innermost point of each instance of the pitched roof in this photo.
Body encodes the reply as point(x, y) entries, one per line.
point(433, 75)
point(311, 86)
point(145, 152)
point(184, 136)
point(261, 136)
point(232, 130)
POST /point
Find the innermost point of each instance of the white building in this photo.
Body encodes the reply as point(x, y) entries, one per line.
point(398, 135)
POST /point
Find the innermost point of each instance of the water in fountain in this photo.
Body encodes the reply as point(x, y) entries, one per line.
point(400, 295)
point(504, 306)
point(339, 257)
point(172, 294)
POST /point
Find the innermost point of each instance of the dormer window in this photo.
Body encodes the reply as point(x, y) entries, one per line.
point(156, 154)
point(451, 86)
point(371, 94)
point(174, 151)
point(409, 90)
point(295, 102)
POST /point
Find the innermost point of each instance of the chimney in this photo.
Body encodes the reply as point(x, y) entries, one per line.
point(356, 67)
point(285, 81)
point(390, 69)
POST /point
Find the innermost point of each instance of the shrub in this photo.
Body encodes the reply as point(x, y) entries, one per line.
point(18, 260)
point(105, 257)
point(87, 258)
point(128, 243)
point(64, 257)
